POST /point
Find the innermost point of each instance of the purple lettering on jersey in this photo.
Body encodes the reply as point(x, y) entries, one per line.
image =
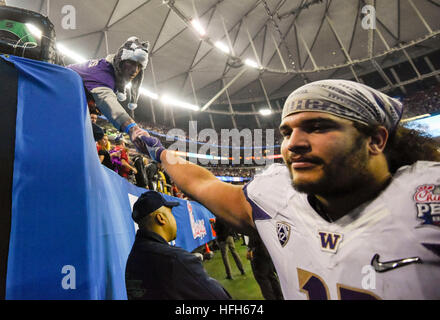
point(95, 74)
point(350, 294)
point(315, 289)
point(330, 241)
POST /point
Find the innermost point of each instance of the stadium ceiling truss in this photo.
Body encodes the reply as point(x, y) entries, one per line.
point(292, 42)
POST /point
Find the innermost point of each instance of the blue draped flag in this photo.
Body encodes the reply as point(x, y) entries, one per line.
point(71, 227)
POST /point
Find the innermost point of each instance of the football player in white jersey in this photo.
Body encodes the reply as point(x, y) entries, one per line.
point(354, 213)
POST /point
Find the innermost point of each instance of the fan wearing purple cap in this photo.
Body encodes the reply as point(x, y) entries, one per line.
point(156, 270)
point(354, 211)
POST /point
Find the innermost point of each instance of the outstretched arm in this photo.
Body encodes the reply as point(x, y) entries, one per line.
point(223, 199)
point(108, 104)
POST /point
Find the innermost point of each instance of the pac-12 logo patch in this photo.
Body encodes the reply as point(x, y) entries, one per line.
point(283, 231)
point(427, 198)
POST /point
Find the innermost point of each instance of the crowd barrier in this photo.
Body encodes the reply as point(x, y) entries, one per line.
point(66, 228)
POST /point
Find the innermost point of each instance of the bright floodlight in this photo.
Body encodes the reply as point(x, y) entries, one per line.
point(148, 93)
point(222, 46)
point(144, 91)
point(34, 30)
point(172, 101)
point(69, 53)
point(198, 26)
point(265, 112)
point(252, 63)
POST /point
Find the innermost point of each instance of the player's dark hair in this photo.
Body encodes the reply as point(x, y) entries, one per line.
point(405, 146)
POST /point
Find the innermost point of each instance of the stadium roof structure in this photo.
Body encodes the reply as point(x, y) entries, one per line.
point(250, 52)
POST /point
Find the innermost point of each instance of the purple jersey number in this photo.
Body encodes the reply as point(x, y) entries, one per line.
point(316, 289)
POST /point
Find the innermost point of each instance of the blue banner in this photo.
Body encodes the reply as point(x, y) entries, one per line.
point(71, 227)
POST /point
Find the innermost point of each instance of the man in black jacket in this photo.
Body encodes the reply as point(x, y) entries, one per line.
point(157, 271)
point(263, 268)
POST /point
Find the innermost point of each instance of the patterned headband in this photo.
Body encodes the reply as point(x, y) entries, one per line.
point(346, 99)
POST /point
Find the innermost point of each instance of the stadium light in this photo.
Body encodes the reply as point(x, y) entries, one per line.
point(171, 101)
point(69, 53)
point(416, 118)
point(265, 112)
point(222, 46)
point(34, 30)
point(148, 93)
point(144, 92)
point(252, 63)
point(198, 26)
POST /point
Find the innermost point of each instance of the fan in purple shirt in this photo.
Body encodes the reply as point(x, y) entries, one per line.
point(106, 81)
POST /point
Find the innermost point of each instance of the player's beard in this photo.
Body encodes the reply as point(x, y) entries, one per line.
point(346, 173)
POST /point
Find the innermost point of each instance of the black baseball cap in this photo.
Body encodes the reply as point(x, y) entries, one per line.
point(149, 202)
point(98, 132)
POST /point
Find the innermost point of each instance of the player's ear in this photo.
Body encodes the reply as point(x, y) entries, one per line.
point(377, 141)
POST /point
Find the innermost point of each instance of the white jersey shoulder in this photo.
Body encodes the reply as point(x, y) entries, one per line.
point(423, 167)
point(415, 196)
point(354, 257)
point(271, 188)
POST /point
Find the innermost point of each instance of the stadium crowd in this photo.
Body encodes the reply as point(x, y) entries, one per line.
point(422, 102)
point(120, 155)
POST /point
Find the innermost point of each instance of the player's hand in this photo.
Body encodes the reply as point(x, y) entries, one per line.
point(145, 143)
point(149, 146)
point(137, 132)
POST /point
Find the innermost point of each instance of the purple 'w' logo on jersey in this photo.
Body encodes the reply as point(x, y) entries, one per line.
point(330, 241)
point(283, 231)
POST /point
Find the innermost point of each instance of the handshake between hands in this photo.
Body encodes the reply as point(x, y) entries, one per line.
point(145, 143)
